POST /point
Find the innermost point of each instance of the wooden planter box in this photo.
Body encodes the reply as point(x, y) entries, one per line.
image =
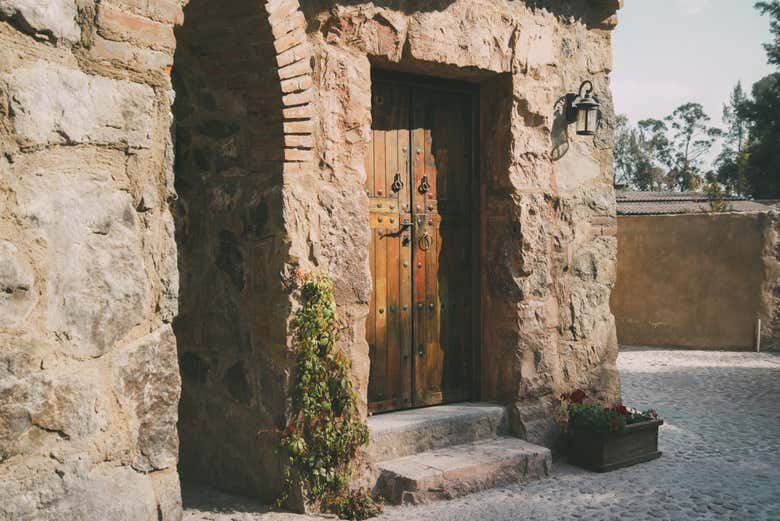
point(602, 452)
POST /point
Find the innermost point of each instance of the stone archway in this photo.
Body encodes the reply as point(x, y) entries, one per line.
point(242, 121)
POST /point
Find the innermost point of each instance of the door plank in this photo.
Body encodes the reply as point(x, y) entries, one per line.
point(373, 378)
point(380, 279)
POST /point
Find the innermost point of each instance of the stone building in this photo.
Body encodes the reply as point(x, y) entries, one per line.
point(167, 164)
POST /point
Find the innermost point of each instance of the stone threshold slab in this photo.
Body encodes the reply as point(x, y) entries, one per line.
point(402, 433)
point(461, 469)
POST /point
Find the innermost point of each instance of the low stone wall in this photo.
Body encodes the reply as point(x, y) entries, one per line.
point(698, 281)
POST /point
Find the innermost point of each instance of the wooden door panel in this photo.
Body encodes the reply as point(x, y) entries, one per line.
point(419, 171)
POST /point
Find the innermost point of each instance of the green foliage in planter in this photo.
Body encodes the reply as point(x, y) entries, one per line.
point(588, 417)
point(326, 430)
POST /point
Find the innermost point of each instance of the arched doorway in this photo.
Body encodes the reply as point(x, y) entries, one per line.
point(231, 328)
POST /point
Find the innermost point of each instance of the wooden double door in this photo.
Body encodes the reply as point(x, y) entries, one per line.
point(421, 184)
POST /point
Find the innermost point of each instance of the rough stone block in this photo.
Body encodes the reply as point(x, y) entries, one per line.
point(168, 492)
point(296, 84)
point(116, 24)
point(469, 37)
point(134, 57)
point(297, 98)
point(299, 112)
point(169, 269)
point(462, 469)
point(404, 433)
point(287, 41)
point(282, 9)
point(56, 105)
point(295, 69)
point(97, 286)
point(298, 127)
point(75, 488)
point(288, 24)
point(17, 293)
point(299, 141)
point(41, 408)
point(292, 55)
point(297, 154)
point(165, 11)
point(146, 373)
point(50, 19)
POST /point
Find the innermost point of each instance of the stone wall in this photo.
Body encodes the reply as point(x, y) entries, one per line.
point(89, 380)
point(698, 281)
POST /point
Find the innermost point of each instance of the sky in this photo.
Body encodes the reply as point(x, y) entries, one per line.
point(669, 52)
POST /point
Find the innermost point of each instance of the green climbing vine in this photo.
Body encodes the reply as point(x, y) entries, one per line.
point(326, 430)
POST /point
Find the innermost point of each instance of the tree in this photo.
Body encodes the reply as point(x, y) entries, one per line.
point(657, 159)
point(772, 8)
point(635, 163)
point(731, 164)
point(691, 139)
point(624, 151)
point(763, 151)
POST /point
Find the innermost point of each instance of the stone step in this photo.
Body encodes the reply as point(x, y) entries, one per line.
point(462, 469)
point(402, 433)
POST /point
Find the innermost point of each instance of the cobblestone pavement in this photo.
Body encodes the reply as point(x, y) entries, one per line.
point(721, 445)
point(721, 461)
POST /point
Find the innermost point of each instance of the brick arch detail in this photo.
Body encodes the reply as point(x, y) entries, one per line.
point(293, 59)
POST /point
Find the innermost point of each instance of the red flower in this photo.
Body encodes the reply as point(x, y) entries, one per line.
point(623, 410)
point(615, 422)
point(577, 396)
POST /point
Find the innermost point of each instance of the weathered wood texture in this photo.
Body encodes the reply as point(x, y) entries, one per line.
point(420, 172)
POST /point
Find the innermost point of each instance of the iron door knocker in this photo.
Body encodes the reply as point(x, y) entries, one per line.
point(397, 183)
point(426, 241)
point(424, 185)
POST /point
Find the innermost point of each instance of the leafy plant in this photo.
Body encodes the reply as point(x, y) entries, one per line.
point(326, 430)
point(588, 417)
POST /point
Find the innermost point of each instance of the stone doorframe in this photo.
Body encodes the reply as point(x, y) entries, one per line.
point(545, 195)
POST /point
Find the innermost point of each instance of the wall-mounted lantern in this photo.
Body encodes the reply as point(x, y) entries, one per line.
point(583, 109)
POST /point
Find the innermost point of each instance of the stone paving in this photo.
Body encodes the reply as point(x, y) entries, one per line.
point(721, 445)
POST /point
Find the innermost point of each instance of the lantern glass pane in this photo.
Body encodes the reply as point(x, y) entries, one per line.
point(593, 120)
point(582, 120)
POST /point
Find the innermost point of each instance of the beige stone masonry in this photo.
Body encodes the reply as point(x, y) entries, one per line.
point(118, 25)
point(297, 98)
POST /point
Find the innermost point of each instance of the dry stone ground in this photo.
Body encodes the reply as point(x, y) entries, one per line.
point(720, 443)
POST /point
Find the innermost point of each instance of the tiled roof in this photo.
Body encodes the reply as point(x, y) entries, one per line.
point(669, 203)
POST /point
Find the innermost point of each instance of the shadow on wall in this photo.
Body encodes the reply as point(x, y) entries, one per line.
point(592, 13)
point(228, 132)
